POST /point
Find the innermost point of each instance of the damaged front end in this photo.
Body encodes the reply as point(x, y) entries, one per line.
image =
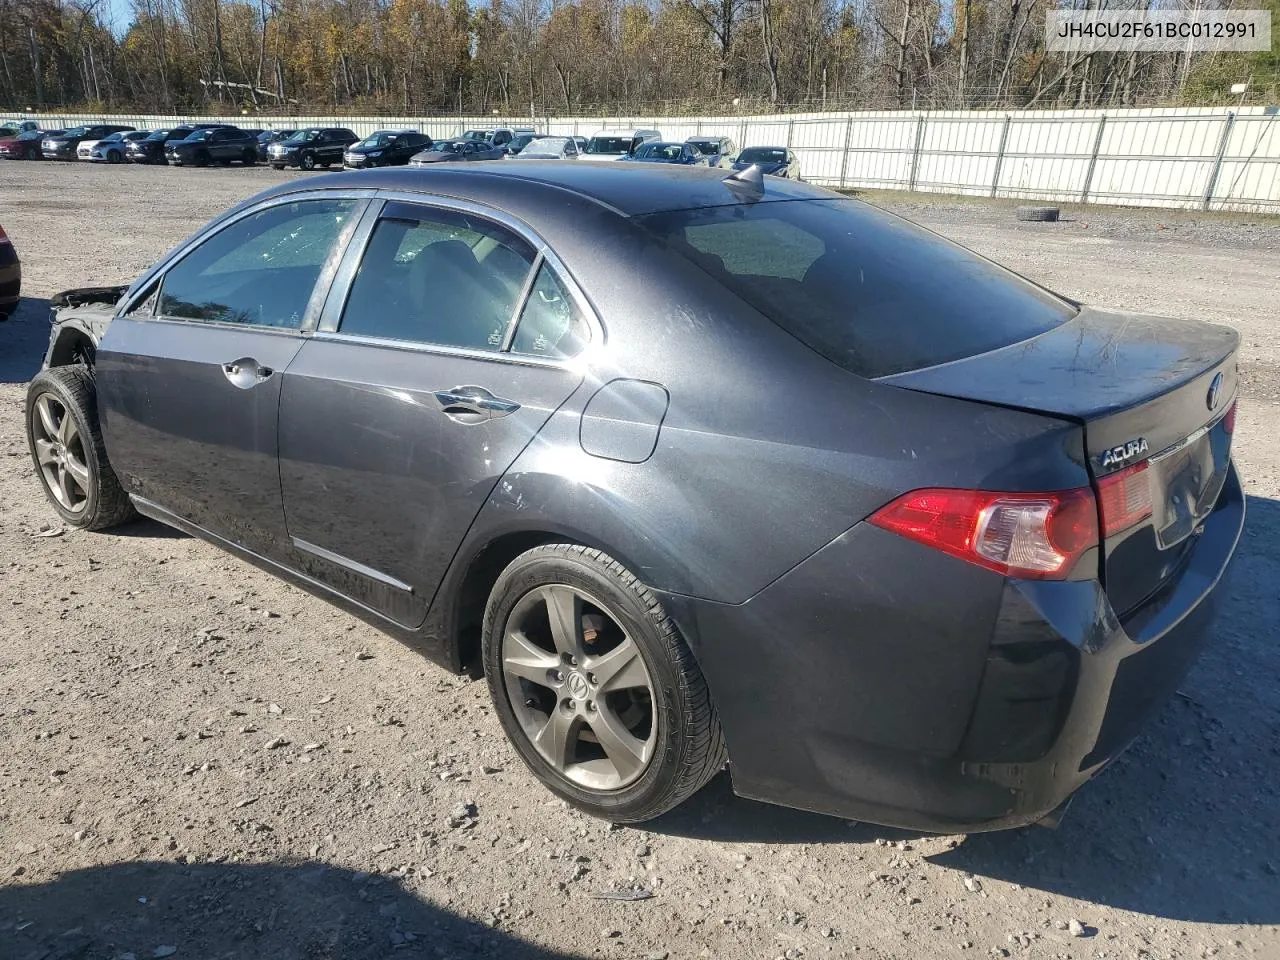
point(80, 318)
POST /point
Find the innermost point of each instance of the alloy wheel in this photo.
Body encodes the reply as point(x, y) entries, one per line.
point(579, 688)
point(60, 453)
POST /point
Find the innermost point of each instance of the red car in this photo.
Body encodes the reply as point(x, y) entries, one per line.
point(25, 145)
point(10, 276)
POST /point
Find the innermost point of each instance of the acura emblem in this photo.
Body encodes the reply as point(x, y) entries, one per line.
point(1215, 391)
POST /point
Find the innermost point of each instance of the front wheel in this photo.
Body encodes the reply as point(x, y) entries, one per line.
point(67, 450)
point(594, 686)
point(308, 161)
point(277, 166)
point(202, 159)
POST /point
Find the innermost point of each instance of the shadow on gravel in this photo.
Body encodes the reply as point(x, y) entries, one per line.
point(23, 339)
point(147, 529)
point(1181, 826)
point(308, 911)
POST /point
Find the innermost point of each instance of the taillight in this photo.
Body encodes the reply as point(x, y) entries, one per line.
point(4, 237)
point(1124, 499)
point(1228, 419)
point(1036, 535)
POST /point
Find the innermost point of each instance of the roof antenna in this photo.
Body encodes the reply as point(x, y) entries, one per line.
point(747, 184)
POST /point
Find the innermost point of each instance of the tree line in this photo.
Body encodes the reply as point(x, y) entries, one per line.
point(566, 57)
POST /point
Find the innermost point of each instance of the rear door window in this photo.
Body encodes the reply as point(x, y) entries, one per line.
point(869, 291)
point(551, 324)
point(437, 276)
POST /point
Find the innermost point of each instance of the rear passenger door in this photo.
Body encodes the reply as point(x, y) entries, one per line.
point(334, 144)
point(443, 349)
point(222, 145)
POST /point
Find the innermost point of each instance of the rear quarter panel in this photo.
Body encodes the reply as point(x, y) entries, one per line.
point(767, 451)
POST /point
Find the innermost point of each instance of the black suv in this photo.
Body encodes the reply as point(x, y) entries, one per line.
point(385, 148)
point(63, 146)
point(311, 147)
point(215, 145)
point(267, 137)
point(151, 150)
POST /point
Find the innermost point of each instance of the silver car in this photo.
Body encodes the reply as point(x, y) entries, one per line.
point(548, 148)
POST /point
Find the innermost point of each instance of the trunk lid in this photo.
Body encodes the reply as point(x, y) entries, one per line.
point(1147, 390)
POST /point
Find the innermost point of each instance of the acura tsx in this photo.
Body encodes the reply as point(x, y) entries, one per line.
point(697, 469)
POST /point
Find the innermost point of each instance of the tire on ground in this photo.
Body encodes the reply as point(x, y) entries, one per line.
point(690, 748)
point(106, 503)
point(1037, 214)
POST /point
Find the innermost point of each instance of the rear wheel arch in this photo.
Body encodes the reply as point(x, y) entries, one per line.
point(465, 593)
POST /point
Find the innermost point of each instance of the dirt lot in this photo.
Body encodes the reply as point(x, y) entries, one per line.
point(143, 673)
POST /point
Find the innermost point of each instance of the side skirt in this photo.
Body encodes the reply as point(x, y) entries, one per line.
point(429, 646)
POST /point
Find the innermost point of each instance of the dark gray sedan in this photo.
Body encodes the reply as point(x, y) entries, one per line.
point(698, 468)
point(453, 151)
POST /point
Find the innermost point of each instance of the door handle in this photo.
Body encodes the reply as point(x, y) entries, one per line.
point(472, 404)
point(246, 372)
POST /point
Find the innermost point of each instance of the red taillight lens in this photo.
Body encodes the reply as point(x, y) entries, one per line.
point(1037, 535)
point(4, 238)
point(1228, 420)
point(1124, 499)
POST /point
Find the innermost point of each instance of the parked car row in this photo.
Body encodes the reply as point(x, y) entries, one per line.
point(202, 144)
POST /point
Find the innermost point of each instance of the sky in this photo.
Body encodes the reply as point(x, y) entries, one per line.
point(119, 13)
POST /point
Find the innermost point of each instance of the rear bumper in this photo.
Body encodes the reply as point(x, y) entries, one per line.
point(882, 681)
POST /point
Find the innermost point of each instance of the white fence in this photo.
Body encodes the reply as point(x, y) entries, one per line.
point(1201, 158)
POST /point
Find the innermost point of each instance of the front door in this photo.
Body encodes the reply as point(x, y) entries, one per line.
point(189, 381)
point(398, 420)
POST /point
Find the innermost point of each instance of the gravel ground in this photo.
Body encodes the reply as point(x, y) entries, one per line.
point(203, 762)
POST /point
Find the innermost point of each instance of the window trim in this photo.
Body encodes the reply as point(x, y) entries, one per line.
point(340, 288)
point(156, 276)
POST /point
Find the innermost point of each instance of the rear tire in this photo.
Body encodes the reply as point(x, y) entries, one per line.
point(113, 156)
point(250, 158)
point(67, 450)
point(1037, 214)
point(661, 739)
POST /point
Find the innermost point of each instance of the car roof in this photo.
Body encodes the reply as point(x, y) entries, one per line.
point(629, 189)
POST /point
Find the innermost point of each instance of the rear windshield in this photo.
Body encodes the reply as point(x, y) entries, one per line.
point(660, 151)
point(763, 155)
point(869, 291)
point(608, 145)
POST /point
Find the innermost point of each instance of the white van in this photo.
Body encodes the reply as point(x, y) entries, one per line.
point(616, 144)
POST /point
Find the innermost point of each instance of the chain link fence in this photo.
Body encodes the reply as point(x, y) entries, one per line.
point(1195, 158)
